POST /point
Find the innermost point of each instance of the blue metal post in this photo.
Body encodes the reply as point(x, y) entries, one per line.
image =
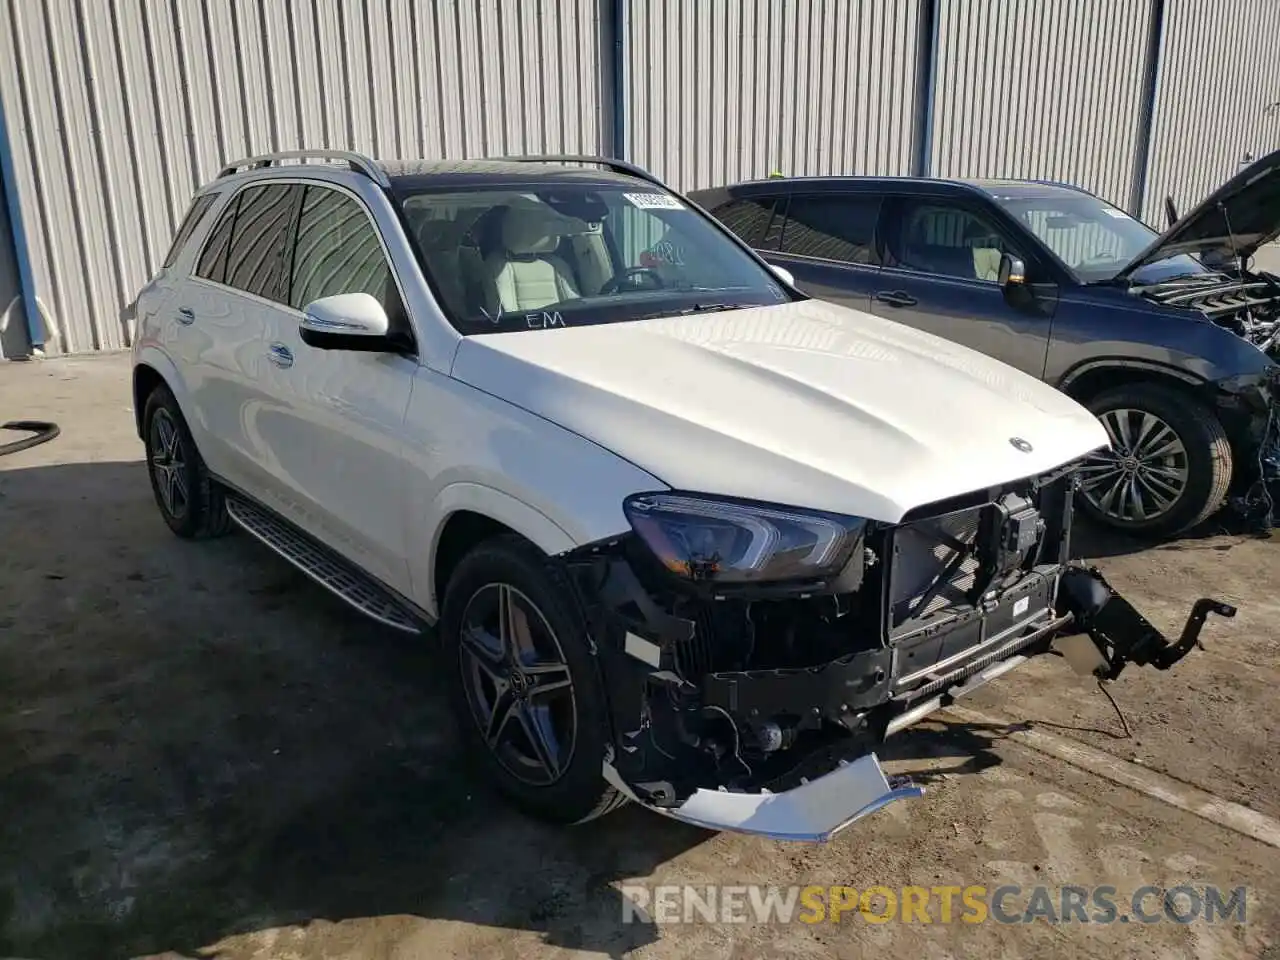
point(621, 76)
point(1146, 112)
point(26, 279)
point(926, 82)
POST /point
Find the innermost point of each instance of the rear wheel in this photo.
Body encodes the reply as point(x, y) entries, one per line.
point(525, 686)
point(1169, 466)
point(190, 502)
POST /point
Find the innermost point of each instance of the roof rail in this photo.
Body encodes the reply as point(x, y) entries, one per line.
point(618, 166)
point(358, 162)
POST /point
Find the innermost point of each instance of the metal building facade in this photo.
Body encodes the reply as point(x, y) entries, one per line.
point(118, 109)
point(1040, 90)
point(1217, 99)
point(724, 90)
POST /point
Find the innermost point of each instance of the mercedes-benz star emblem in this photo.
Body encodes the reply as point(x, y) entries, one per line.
point(1019, 444)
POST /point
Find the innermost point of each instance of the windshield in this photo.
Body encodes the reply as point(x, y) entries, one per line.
point(566, 254)
point(1094, 239)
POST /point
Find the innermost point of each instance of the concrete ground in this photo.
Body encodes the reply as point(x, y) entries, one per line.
point(204, 755)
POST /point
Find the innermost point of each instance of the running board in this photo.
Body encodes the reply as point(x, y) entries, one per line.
point(320, 564)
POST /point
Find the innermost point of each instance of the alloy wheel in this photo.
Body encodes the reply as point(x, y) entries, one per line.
point(168, 464)
point(518, 685)
point(1143, 475)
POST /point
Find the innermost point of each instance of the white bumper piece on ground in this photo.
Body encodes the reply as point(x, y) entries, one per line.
point(814, 811)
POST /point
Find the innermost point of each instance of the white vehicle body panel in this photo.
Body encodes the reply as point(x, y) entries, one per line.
point(806, 403)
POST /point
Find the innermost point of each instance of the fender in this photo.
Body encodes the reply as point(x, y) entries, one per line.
point(529, 522)
point(158, 360)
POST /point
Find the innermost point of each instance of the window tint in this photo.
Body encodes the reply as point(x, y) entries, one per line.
point(258, 241)
point(753, 219)
point(338, 251)
point(194, 215)
point(832, 227)
point(947, 239)
point(213, 261)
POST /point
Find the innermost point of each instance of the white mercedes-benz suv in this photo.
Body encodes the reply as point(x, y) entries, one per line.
point(686, 536)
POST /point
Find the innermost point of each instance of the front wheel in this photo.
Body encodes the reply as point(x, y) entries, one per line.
point(1169, 466)
point(525, 685)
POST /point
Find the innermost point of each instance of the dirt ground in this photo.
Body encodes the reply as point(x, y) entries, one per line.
point(203, 753)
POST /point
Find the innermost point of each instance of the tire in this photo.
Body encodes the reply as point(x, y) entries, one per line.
point(1187, 452)
point(189, 500)
point(571, 787)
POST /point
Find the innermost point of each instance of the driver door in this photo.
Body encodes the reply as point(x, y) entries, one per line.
point(942, 257)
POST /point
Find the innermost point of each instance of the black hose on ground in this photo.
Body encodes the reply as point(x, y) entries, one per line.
point(42, 432)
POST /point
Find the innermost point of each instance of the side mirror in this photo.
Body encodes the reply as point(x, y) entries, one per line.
point(783, 274)
point(1013, 272)
point(1170, 212)
point(346, 321)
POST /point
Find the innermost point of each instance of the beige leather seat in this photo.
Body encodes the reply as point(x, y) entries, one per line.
point(525, 273)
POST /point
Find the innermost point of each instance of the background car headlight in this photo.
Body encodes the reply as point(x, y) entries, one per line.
point(730, 541)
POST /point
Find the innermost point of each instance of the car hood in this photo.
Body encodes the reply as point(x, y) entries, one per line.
point(1238, 217)
point(806, 404)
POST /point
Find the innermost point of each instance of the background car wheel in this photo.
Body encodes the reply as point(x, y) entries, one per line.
point(524, 683)
point(190, 502)
point(1169, 467)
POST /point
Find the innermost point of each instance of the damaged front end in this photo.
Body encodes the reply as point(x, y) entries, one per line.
point(744, 700)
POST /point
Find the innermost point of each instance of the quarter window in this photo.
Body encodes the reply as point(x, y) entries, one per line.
point(832, 228)
point(213, 260)
point(259, 239)
point(338, 251)
point(189, 223)
point(754, 219)
point(947, 240)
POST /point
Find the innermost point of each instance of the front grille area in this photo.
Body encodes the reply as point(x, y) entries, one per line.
point(933, 569)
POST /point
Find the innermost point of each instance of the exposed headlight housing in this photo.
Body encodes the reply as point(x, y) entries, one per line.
point(741, 542)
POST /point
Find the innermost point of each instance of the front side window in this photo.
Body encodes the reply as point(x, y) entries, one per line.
point(832, 227)
point(569, 253)
point(946, 239)
point(338, 251)
point(1094, 239)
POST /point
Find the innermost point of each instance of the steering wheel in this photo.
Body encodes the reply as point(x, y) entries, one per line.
point(615, 283)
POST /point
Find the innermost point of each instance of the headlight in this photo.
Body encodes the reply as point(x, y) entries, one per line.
point(740, 542)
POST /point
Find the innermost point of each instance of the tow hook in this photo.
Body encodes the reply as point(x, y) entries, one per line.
point(1121, 634)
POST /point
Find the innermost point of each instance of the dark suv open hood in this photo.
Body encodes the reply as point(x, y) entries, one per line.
point(1251, 202)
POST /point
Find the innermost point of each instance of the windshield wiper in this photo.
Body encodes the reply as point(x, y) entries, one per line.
point(698, 308)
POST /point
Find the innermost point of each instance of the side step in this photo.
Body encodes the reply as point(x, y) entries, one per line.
point(323, 566)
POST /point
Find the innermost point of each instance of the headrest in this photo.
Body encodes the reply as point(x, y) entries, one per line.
point(532, 228)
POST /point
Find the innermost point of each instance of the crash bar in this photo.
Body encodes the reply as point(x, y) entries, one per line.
point(358, 162)
point(618, 166)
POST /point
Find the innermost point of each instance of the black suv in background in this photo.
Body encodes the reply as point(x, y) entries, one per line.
point(1169, 338)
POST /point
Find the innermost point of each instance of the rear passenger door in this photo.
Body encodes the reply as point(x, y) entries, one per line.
point(942, 258)
point(223, 312)
point(828, 242)
point(332, 429)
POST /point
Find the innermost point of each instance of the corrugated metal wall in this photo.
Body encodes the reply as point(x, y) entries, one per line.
point(1041, 89)
point(118, 109)
point(724, 90)
point(1218, 98)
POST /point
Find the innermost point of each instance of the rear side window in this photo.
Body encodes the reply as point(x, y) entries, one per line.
point(259, 239)
point(213, 261)
point(755, 219)
point(338, 251)
point(832, 227)
point(189, 223)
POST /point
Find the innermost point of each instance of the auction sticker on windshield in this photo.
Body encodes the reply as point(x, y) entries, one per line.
point(654, 201)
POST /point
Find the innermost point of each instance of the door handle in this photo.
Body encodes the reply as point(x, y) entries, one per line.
point(896, 298)
point(280, 355)
point(186, 316)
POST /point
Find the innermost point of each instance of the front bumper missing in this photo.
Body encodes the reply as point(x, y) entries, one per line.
point(813, 812)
